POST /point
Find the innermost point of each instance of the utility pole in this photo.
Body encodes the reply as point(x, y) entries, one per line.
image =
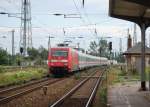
point(13, 48)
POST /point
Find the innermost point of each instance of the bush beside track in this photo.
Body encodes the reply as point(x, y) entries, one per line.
point(21, 76)
point(17, 68)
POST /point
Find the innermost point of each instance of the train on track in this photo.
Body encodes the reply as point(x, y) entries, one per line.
point(62, 60)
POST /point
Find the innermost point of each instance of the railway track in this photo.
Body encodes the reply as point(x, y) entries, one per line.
point(21, 86)
point(15, 92)
point(82, 94)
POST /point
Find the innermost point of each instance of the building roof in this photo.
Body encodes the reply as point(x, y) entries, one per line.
point(136, 50)
point(131, 11)
point(142, 2)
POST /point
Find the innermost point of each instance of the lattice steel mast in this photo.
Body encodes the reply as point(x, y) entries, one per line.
point(26, 27)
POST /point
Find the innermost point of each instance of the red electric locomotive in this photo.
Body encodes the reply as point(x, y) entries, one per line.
point(62, 60)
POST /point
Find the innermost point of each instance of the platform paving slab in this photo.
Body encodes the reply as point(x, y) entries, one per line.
point(128, 95)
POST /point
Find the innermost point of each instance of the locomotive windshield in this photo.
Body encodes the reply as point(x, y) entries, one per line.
point(60, 53)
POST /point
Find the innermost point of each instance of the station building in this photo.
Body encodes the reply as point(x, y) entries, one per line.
point(133, 56)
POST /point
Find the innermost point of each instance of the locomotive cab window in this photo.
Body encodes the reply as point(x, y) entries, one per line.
point(60, 53)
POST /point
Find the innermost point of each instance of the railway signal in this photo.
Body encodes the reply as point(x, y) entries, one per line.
point(110, 46)
point(21, 50)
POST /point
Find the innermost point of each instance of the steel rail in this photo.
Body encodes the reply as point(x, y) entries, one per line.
point(9, 98)
point(99, 81)
point(69, 93)
point(62, 99)
point(22, 86)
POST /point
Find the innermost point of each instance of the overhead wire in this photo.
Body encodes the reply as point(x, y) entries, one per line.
point(78, 11)
point(67, 27)
point(10, 1)
point(92, 14)
point(80, 14)
point(85, 12)
point(43, 24)
point(89, 24)
point(86, 17)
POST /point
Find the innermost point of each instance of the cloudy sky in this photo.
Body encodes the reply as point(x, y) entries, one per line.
point(93, 16)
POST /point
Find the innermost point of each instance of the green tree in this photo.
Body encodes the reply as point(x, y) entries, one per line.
point(18, 59)
point(43, 53)
point(93, 48)
point(100, 48)
point(4, 57)
point(120, 58)
point(33, 53)
point(103, 48)
point(37, 55)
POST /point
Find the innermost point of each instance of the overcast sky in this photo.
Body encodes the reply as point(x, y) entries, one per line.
point(93, 15)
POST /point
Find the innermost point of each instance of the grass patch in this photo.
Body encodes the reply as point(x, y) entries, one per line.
point(19, 77)
point(117, 75)
point(103, 95)
point(112, 76)
point(2, 69)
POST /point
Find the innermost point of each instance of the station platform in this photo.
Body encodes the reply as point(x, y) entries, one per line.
point(128, 95)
